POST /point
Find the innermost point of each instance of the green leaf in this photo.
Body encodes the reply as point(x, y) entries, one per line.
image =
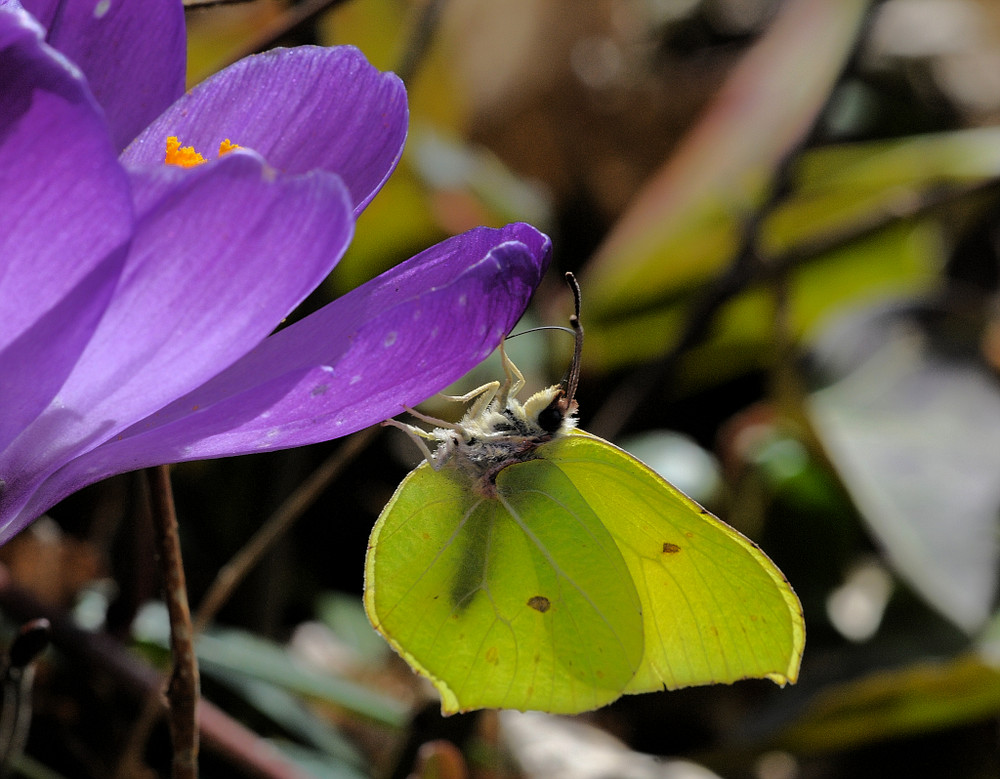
point(344, 615)
point(237, 654)
point(317, 764)
point(947, 158)
point(902, 259)
point(290, 713)
point(919, 698)
point(234, 651)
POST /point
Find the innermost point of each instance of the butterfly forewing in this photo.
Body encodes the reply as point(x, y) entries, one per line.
point(715, 608)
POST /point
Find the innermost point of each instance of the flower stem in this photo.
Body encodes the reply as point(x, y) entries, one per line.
point(183, 691)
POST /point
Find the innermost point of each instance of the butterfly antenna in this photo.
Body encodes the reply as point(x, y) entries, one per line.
point(539, 329)
point(573, 377)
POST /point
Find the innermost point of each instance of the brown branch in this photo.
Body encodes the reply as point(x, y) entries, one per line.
point(184, 689)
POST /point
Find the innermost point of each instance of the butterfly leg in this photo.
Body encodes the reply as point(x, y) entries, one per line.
point(513, 379)
point(429, 420)
point(484, 396)
point(417, 435)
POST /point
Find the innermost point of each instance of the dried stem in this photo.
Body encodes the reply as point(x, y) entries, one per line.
point(183, 691)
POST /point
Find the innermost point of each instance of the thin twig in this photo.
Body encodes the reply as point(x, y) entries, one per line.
point(236, 570)
point(184, 689)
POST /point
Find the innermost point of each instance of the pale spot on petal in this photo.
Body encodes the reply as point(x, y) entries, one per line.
point(269, 438)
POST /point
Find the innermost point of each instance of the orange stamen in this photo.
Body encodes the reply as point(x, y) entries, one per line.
point(187, 157)
point(184, 156)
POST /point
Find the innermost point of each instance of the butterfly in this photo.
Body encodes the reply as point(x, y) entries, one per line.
point(527, 564)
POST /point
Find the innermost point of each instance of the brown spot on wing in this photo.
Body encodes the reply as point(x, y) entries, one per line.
point(669, 548)
point(539, 603)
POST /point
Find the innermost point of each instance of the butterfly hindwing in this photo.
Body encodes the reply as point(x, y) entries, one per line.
point(518, 599)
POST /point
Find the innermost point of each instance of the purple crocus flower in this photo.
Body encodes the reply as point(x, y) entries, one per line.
point(137, 298)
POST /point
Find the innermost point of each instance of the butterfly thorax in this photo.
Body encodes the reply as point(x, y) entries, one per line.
point(506, 432)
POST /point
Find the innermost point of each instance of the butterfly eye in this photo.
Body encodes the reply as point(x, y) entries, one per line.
point(550, 418)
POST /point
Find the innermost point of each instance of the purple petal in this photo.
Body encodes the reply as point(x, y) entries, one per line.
point(221, 254)
point(301, 109)
point(133, 53)
point(65, 221)
point(389, 343)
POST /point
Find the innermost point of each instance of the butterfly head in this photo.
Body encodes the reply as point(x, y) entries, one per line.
point(551, 412)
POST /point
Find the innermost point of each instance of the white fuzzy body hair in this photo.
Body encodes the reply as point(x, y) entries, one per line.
point(499, 434)
point(497, 430)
